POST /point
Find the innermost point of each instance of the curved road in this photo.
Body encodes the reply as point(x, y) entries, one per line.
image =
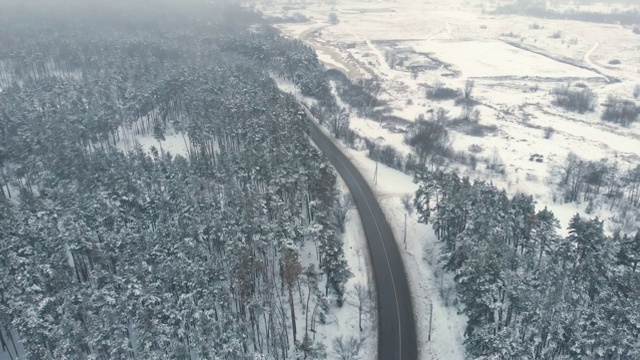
point(396, 326)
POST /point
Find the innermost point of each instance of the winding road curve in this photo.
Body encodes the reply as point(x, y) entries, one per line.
point(396, 324)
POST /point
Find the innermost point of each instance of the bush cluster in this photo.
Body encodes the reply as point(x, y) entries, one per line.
point(441, 92)
point(572, 99)
point(620, 111)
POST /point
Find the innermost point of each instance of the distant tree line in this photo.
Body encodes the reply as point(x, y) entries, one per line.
point(296, 17)
point(538, 9)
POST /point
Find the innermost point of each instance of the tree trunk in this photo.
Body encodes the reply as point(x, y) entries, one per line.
point(306, 313)
point(293, 313)
point(13, 343)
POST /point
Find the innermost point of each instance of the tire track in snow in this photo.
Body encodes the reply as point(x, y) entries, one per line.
point(587, 55)
point(381, 59)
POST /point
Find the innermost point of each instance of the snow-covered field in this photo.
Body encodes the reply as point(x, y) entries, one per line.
point(494, 58)
point(515, 62)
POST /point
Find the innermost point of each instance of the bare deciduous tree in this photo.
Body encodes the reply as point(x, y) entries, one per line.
point(468, 90)
point(291, 270)
point(407, 203)
point(361, 298)
point(340, 123)
point(347, 349)
point(333, 19)
point(343, 204)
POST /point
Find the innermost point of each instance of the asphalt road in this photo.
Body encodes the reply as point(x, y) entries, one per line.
point(396, 323)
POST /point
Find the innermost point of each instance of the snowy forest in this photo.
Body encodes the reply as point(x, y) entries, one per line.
point(528, 292)
point(110, 251)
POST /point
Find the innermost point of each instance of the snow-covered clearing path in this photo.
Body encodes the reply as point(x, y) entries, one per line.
point(590, 63)
point(384, 66)
point(587, 55)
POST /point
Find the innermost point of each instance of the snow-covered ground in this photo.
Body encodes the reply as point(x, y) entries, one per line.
point(418, 253)
point(341, 321)
point(494, 58)
point(344, 321)
point(515, 62)
point(597, 7)
point(419, 256)
point(174, 143)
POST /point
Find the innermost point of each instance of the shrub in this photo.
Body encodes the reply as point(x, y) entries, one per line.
point(333, 19)
point(510, 34)
point(535, 26)
point(495, 163)
point(548, 132)
point(615, 62)
point(590, 207)
point(469, 123)
point(460, 157)
point(479, 130)
point(440, 116)
point(475, 148)
point(430, 140)
point(361, 96)
point(483, 26)
point(385, 154)
point(441, 92)
point(473, 162)
point(556, 34)
point(620, 111)
point(350, 138)
point(636, 30)
point(467, 91)
point(579, 101)
point(469, 114)
point(636, 91)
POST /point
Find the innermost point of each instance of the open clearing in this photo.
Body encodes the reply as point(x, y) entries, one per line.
point(492, 58)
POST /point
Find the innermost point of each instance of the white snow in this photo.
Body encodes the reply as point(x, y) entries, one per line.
point(344, 320)
point(448, 326)
point(175, 143)
point(512, 87)
point(326, 58)
point(493, 58)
